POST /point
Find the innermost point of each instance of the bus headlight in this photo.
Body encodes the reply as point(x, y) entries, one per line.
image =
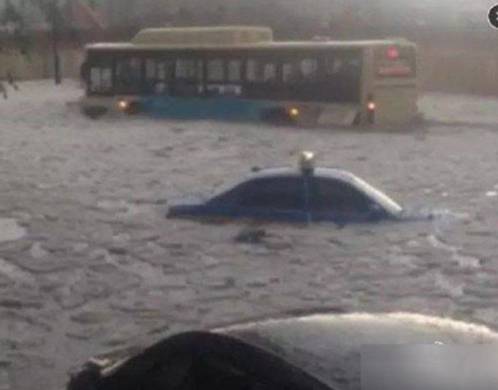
point(371, 107)
point(123, 105)
point(294, 112)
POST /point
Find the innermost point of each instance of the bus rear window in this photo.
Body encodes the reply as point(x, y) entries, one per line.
point(395, 62)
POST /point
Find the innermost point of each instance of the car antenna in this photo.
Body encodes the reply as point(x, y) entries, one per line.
point(307, 162)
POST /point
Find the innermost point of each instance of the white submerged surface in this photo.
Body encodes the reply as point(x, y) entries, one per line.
point(10, 230)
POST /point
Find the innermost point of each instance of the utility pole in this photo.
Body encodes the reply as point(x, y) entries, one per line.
point(54, 16)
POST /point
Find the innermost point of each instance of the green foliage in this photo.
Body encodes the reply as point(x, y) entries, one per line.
point(10, 16)
point(51, 10)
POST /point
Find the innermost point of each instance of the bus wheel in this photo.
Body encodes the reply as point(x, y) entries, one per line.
point(94, 112)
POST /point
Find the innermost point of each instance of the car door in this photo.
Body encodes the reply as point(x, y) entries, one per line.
point(273, 199)
point(338, 201)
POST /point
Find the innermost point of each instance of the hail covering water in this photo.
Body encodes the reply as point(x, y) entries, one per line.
point(99, 267)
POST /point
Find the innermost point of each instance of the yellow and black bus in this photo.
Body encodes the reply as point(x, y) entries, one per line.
point(241, 73)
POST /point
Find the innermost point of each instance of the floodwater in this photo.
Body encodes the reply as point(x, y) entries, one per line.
point(88, 262)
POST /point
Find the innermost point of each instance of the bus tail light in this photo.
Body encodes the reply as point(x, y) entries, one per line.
point(392, 53)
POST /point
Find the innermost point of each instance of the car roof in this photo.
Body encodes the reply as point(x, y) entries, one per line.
point(328, 346)
point(332, 174)
point(277, 172)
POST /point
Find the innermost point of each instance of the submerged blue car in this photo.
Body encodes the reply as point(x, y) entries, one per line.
point(303, 194)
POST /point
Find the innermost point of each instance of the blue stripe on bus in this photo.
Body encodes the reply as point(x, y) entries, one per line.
point(222, 108)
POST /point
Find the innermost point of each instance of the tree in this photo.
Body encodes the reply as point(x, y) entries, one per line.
point(12, 38)
point(51, 10)
point(220, 15)
point(13, 27)
point(184, 16)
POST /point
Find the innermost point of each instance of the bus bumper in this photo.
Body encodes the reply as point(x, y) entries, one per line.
point(95, 107)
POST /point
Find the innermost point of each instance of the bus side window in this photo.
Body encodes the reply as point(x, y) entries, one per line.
point(186, 70)
point(309, 69)
point(129, 75)
point(150, 74)
point(188, 77)
point(234, 70)
point(290, 72)
point(215, 71)
point(215, 77)
point(270, 72)
point(261, 71)
point(252, 70)
point(162, 71)
point(333, 66)
point(298, 71)
point(158, 74)
point(223, 76)
point(150, 69)
point(342, 75)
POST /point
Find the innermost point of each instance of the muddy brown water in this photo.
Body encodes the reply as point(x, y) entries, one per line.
point(88, 262)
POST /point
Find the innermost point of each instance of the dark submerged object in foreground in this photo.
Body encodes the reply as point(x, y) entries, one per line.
point(320, 351)
point(306, 194)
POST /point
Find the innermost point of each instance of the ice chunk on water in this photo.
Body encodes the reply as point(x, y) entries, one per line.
point(37, 251)
point(10, 230)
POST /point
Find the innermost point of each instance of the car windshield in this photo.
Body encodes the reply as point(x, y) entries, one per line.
point(131, 202)
point(378, 196)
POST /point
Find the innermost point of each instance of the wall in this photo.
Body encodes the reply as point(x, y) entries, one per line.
point(38, 61)
point(39, 64)
point(470, 70)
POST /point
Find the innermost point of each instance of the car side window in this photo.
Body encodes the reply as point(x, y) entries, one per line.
point(229, 196)
point(282, 193)
point(330, 195)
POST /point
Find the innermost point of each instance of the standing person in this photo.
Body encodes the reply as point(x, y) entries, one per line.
point(11, 81)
